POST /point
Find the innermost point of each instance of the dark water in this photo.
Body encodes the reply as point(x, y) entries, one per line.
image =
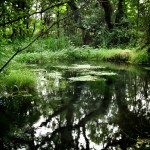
point(109, 112)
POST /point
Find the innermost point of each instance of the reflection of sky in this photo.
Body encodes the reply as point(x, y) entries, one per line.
point(44, 88)
point(43, 131)
point(136, 103)
point(141, 104)
point(53, 124)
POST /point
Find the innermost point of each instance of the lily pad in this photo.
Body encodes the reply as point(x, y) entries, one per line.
point(54, 75)
point(147, 68)
point(85, 78)
point(98, 73)
point(102, 73)
point(87, 66)
point(39, 70)
point(78, 67)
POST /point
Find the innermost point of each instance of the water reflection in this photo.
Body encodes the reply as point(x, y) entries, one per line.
point(113, 113)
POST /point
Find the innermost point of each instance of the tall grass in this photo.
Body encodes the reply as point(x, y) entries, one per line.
point(140, 57)
point(18, 80)
point(50, 43)
point(72, 53)
point(54, 43)
point(116, 55)
point(52, 48)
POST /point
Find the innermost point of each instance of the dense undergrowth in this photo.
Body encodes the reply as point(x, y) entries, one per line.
point(41, 53)
point(17, 76)
point(50, 48)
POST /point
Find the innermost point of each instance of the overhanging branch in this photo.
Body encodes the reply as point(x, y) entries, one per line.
point(24, 48)
point(28, 15)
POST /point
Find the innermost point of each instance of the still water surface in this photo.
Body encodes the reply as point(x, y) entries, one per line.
point(80, 106)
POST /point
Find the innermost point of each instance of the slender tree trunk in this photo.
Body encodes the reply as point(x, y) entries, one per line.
point(77, 16)
point(120, 12)
point(3, 20)
point(138, 9)
point(86, 37)
point(58, 23)
point(77, 19)
point(108, 12)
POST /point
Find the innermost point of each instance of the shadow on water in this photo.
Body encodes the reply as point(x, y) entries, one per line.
point(79, 107)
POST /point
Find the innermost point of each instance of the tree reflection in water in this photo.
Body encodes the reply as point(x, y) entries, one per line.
point(105, 114)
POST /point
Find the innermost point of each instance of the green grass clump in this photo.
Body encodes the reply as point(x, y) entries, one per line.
point(140, 57)
point(18, 81)
point(72, 53)
point(54, 43)
point(116, 55)
point(33, 57)
point(50, 43)
point(52, 48)
point(88, 53)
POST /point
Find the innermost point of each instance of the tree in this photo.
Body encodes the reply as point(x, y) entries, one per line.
point(120, 11)
point(108, 12)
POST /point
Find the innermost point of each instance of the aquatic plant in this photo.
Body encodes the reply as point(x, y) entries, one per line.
point(80, 67)
point(85, 72)
point(86, 78)
point(102, 73)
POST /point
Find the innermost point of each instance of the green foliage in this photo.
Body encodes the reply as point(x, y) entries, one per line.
point(34, 57)
point(19, 80)
point(80, 53)
point(116, 55)
point(77, 53)
point(23, 23)
point(140, 57)
point(57, 42)
point(5, 53)
point(76, 40)
point(52, 43)
point(51, 48)
point(118, 37)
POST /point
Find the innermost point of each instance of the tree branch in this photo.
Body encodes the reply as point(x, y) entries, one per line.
point(41, 34)
point(28, 15)
point(20, 50)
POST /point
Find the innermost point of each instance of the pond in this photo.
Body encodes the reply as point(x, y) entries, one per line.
point(79, 106)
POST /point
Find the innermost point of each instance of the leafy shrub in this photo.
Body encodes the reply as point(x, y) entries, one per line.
point(116, 38)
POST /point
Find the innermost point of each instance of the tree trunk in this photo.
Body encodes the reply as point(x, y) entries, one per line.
point(77, 16)
point(120, 12)
point(58, 23)
point(86, 37)
point(108, 12)
point(77, 19)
